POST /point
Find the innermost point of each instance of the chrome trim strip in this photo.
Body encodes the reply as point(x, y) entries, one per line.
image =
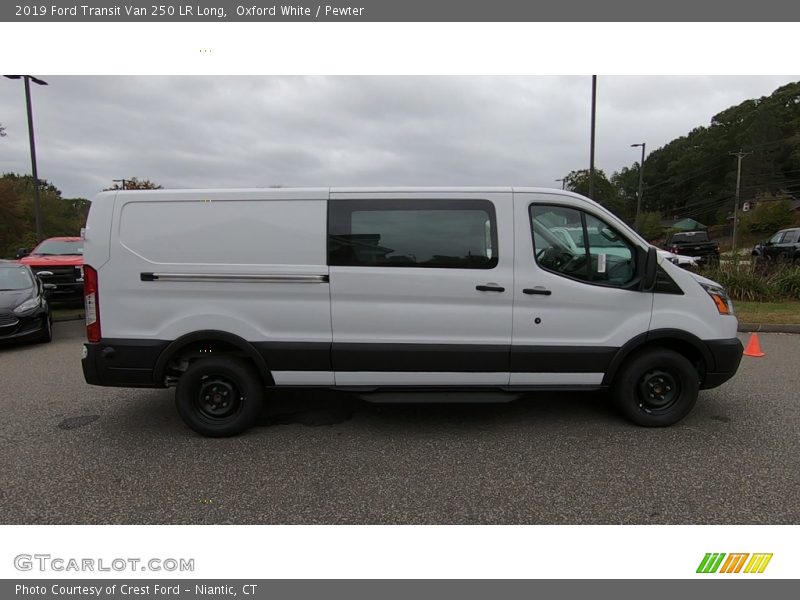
point(235, 277)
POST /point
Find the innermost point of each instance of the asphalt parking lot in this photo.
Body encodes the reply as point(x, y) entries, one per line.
point(73, 453)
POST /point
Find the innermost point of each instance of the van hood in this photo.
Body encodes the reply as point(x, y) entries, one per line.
point(704, 280)
point(11, 299)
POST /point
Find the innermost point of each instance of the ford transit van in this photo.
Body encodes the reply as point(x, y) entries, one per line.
point(229, 294)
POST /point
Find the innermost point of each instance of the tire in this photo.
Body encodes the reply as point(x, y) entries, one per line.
point(47, 334)
point(656, 387)
point(220, 397)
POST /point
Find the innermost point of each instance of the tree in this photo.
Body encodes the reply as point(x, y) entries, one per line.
point(2, 131)
point(695, 176)
point(17, 224)
point(134, 184)
point(770, 215)
point(604, 191)
point(650, 226)
point(626, 184)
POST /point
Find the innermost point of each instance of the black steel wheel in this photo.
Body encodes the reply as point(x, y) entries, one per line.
point(656, 387)
point(220, 397)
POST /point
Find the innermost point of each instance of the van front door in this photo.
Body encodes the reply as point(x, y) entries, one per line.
point(421, 287)
point(576, 300)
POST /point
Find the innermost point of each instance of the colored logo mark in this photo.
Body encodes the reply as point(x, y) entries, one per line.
point(719, 562)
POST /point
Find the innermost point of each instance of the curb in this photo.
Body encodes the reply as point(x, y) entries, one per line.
point(756, 328)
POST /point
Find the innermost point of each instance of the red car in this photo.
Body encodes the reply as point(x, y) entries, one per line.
point(58, 260)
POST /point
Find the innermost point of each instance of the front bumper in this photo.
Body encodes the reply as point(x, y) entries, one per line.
point(726, 356)
point(27, 328)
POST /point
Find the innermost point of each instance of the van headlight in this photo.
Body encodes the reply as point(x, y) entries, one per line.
point(28, 306)
point(720, 298)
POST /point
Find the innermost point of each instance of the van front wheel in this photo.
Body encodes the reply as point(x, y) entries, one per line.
point(219, 397)
point(656, 388)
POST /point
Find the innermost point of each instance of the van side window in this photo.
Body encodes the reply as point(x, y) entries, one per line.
point(578, 245)
point(445, 234)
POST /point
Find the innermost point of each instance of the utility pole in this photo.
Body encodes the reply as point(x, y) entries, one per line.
point(120, 181)
point(636, 222)
point(591, 145)
point(739, 155)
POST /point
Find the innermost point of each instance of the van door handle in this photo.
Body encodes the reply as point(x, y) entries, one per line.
point(490, 288)
point(537, 290)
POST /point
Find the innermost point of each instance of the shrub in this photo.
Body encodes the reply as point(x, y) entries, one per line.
point(787, 282)
point(760, 283)
point(743, 284)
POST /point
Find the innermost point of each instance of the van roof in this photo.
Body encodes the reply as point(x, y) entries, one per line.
point(323, 192)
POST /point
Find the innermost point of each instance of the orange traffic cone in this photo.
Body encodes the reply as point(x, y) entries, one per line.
point(753, 347)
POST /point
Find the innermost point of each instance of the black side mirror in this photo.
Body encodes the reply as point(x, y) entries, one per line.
point(48, 289)
point(650, 270)
point(22, 253)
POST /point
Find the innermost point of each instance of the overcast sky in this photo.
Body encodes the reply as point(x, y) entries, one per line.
point(230, 131)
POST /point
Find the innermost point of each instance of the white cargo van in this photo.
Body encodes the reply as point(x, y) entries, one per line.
point(228, 294)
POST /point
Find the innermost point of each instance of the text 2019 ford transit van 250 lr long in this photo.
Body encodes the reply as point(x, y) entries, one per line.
point(227, 294)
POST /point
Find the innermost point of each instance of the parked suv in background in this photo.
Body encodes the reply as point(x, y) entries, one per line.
point(784, 245)
point(693, 243)
point(58, 260)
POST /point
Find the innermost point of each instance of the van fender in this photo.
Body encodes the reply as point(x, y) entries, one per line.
point(211, 335)
point(691, 346)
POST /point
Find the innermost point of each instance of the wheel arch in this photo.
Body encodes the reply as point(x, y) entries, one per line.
point(682, 342)
point(212, 340)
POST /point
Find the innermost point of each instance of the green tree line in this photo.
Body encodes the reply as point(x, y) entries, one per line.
point(695, 175)
point(60, 216)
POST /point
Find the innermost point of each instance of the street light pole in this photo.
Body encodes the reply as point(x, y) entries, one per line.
point(641, 187)
point(591, 144)
point(120, 181)
point(37, 210)
point(563, 183)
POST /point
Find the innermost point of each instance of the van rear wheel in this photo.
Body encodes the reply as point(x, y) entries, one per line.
point(220, 397)
point(656, 388)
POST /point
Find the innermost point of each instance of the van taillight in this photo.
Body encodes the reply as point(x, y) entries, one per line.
point(91, 304)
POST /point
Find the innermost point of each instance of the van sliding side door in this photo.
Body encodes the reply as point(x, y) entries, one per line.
point(421, 287)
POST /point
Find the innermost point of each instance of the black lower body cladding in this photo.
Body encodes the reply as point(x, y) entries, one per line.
point(123, 363)
point(134, 363)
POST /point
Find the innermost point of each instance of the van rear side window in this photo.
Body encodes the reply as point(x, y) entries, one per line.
point(445, 234)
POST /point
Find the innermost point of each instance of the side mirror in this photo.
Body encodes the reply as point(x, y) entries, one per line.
point(22, 253)
point(49, 288)
point(650, 270)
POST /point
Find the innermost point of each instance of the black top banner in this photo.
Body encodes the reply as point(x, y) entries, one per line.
point(403, 10)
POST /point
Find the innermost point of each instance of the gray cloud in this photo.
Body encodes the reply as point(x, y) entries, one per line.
point(232, 131)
